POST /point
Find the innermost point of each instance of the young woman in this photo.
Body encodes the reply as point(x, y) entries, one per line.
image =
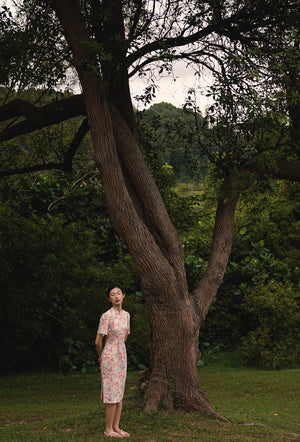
point(114, 324)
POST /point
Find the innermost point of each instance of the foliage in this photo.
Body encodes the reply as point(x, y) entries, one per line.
point(254, 263)
point(238, 142)
point(256, 311)
point(49, 295)
point(277, 204)
point(33, 52)
point(256, 104)
point(49, 145)
point(168, 136)
point(274, 311)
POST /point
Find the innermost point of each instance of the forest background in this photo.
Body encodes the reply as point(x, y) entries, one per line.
point(54, 274)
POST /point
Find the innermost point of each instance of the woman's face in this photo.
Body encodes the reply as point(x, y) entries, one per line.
point(116, 296)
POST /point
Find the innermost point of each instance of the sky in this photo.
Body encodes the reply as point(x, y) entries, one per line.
point(174, 87)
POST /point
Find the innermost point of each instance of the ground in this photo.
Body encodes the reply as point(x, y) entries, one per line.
point(262, 405)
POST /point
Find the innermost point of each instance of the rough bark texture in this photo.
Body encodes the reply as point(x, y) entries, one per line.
point(173, 379)
point(220, 251)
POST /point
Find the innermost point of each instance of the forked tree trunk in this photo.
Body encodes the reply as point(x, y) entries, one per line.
point(176, 317)
point(173, 377)
point(141, 220)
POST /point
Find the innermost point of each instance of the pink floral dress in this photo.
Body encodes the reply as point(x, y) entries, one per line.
point(115, 325)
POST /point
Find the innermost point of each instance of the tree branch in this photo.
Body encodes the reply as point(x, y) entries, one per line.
point(28, 169)
point(139, 7)
point(81, 133)
point(168, 43)
point(39, 117)
point(243, 26)
point(222, 240)
point(281, 170)
point(66, 166)
point(17, 108)
point(233, 27)
point(136, 235)
point(156, 216)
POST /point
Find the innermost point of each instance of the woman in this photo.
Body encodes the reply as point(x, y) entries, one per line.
point(114, 324)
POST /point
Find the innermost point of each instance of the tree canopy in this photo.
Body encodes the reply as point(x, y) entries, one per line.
point(251, 49)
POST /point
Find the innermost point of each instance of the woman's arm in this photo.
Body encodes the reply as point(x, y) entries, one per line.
point(99, 344)
point(128, 327)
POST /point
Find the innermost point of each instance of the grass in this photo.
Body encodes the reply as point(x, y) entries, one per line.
point(262, 405)
point(189, 189)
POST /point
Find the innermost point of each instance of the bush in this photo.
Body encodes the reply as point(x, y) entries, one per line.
point(253, 268)
point(52, 293)
point(274, 341)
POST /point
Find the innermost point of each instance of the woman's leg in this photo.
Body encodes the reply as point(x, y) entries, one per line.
point(116, 421)
point(110, 414)
point(117, 416)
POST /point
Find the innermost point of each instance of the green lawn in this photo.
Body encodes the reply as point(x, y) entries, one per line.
point(262, 405)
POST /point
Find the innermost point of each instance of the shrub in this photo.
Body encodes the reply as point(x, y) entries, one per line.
point(52, 293)
point(274, 341)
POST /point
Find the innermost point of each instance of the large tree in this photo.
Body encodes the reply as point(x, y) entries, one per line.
point(108, 41)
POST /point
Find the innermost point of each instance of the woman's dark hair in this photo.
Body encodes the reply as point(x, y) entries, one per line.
point(113, 286)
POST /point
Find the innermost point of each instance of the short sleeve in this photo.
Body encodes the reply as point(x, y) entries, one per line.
point(128, 323)
point(103, 325)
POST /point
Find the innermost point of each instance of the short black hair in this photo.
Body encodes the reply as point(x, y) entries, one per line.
point(112, 286)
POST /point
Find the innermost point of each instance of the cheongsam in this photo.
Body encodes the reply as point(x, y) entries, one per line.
point(115, 325)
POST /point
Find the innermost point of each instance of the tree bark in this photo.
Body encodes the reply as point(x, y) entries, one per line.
point(148, 234)
point(173, 378)
point(220, 251)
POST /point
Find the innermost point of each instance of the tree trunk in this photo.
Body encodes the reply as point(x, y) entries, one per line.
point(173, 377)
point(141, 220)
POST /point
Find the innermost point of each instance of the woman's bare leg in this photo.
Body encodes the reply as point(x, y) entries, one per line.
point(117, 417)
point(110, 415)
point(116, 421)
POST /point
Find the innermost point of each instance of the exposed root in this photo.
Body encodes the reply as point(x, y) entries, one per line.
point(159, 393)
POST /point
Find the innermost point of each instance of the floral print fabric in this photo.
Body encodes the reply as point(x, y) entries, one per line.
point(114, 324)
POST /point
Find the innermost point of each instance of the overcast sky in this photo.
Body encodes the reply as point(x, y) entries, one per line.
point(173, 88)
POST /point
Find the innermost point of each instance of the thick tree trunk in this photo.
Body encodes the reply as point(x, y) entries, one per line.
point(173, 374)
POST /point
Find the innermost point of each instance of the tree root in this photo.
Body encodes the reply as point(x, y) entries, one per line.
point(192, 400)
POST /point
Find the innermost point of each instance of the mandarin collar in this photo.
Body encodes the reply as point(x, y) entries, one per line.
point(116, 311)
